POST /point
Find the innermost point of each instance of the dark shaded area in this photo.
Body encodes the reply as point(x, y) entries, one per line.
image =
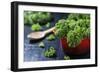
point(84, 56)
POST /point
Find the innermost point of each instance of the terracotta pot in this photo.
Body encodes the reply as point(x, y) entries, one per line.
point(82, 48)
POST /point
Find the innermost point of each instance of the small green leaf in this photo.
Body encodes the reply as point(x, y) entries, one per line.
point(48, 25)
point(36, 27)
point(66, 58)
point(41, 44)
point(50, 37)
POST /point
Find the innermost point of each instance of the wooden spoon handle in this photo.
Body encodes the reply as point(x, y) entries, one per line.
point(49, 30)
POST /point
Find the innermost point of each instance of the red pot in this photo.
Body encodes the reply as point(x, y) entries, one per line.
point(82, 48)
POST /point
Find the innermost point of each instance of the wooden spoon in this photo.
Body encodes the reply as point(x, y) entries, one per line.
point(39, 34)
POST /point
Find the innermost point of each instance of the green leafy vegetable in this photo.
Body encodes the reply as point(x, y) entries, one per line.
point(66, 58)
point(61, 28)
point(51, 37)
point(75, 28)
point(36, 27)
point(27, 19)
point(31, 17)
point(48, 25)
point(77, 16)
point(41, 44)
point(51, 52)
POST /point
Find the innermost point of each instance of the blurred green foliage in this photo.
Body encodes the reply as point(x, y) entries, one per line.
point(31, 17)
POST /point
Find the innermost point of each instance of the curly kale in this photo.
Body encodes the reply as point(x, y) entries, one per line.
point(31, 17)
point(50, 53)
point(62, 28)
point(66, 58)
point(36, 27)
point(50, 37)
point(75, 28)
point(41, 45)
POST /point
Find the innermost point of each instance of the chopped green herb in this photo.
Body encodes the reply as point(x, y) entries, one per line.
point(51, 52)
point(41, 44)
point(66, 58)
point(51, 37)
point(36, 27)
point(48, 25)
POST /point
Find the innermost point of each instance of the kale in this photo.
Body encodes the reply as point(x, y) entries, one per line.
point(36, 27)
point(50, 53)
point(31, 17)
point(41, 44)
point(50, 37)
point(61, 28)
point(75, 28)
point(48, 25)
point(66, 58)
point(27, 19)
